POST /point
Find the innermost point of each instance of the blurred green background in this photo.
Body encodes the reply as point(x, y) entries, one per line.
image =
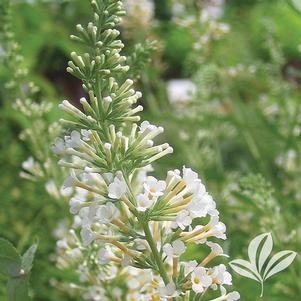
point(240, 129)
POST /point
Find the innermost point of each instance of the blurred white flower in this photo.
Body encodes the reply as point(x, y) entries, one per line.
point(233, 296)
point(168, 291)
point(146, 126)
point(87, 236)
point(142, 173)
point(28, 164)
point(104, 255)
point(117, 189)
point(70, 181)
point(58, 146)
point(96, 293)
point(183, 219)
point(213, 9)
point(143, 202)
point(175, 249)
point(74, 140)
point(106, 213)
point(180, 90)
point(75, 205)
point(216, 249)
point(190, 266)
point(86, 134)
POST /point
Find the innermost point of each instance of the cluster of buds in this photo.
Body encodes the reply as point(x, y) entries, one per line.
point(28, 107)
point(131, 230)
point(85, 150)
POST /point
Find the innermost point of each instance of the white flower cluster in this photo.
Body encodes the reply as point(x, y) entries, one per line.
point(108, 227)
point(130, 229)
point(139, 16)
point(42, 164)
point(180, 91)
point(205, 25)
point(213, 9)
point(142, 10)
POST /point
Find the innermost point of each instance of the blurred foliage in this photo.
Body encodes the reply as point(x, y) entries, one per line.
point(241, 131)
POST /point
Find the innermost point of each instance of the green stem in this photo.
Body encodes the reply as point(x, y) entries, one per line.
point(261, 294)
point(148, 236)
point(195, 297)
point(156, 254)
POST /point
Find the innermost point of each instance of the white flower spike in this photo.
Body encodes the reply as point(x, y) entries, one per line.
point(128, 225)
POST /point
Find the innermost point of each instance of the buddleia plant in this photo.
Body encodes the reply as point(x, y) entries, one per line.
point(28, 101)
point(131, 229)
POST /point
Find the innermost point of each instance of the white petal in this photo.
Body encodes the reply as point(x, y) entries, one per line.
point(168, 249)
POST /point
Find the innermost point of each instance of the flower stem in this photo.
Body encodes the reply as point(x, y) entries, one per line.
point(149, 237)
point(261, 294)
point(175, 262)
point(156, 254)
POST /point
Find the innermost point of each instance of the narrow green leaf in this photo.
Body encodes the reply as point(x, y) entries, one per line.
point(283, 260)
point(253, 248)
point(27, 258)
point(245, 268)
point(265, 251)
point(10, 260)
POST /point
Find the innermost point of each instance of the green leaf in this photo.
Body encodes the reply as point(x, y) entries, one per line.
point(245, 268)
point(265, 251)
point(10, 260)
point(27, 258)
point(17, 289)
point(282, 259)
point(254, 250)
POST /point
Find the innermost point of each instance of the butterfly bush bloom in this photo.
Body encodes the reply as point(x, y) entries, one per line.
point(200, 280)
point(130, 229)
